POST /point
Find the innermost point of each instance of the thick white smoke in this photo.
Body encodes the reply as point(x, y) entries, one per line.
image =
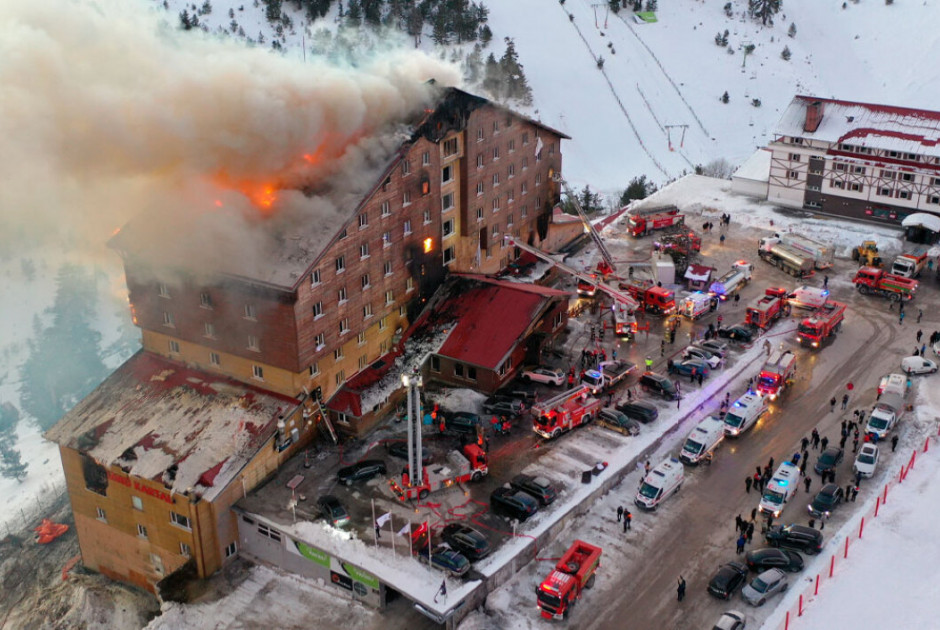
point(107, 110)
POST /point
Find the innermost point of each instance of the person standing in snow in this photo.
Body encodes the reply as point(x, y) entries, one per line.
point(680, 589)
point(742, 540)
point(619, 513)
point(627, 521)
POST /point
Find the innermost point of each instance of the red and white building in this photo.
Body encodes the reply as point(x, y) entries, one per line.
point(858, 160)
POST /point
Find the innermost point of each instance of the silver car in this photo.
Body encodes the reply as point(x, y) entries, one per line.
point(731, 620)
point(764, 585)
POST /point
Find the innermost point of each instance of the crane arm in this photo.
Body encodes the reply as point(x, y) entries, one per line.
point(595, 235)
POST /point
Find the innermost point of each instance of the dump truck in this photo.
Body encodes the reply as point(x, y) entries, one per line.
point(821, 253)
point(821, 325)
point(575, 571)
point(793, 261)
point(768, 309)
point(867, 254)
point(733, 281)
point(776, 374)
point(642, 222)
point(564, 412)
point(910, 264)
point(607, 374)
point(877, 282)
point(458, 467)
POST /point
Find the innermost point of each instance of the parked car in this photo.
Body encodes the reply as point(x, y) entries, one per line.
point(829, 459)
point(765, 585)
point(618, 421)
point(400, 449)
point(731, 620)
point(714, 346)
point(503, 406)
point(513, 503)
point(867, 460)
point(798, 537)
point(466, 540)
point(361, 471)
point(918, 365)
point(462, 422)
point(690, 367)
point(539, 487)
point(696, 352)
point(826, 500)
point(549, 376)
point(639, 410)
point(727, 580)
point(446, 559)
point(758, 560)
point(659, 385)
point(332, 510)
point(737, 333)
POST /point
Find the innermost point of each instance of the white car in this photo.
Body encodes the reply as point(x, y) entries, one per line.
point(918, 365)
point(544, 375)
point(695, 352)
point(768, 583)
point(867, 460)
point(731, 620)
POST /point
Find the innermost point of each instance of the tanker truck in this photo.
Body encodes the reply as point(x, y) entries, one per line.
point(791, 260)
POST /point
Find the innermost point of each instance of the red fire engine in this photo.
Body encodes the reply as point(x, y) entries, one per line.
point(558, 592)
point(768, 309)
point(776, 374)
point(564, 412)
point(822, 324)
point(642, 222)
point(471, 465)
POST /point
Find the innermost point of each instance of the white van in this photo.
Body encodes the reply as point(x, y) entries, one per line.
point(744, 413)
point(781, 487)
point(894, 384)
point(885, 415)
point(660, 483)
point(703, 440)
point(808, 297)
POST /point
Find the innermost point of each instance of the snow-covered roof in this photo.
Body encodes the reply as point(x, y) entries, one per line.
point(922, 219)
point(698, 273)
point(152, 413)
point(756, 167)
point(877, 126)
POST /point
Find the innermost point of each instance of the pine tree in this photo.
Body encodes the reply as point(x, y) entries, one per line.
point(765, 10)
point(786, 54)
point(792, 30)
point(725, 98)
point(10, 465)
point(354, 13)
point(493, 77)
point(415, 24)
point(486, 35)
point(517, 87)
point(185, 23)
point(439, 31)
point(639, 188)
point(651, 6)
point(272, 10)
point(614, 5)
point(206, 8)
point(473, 66)
point(372, 11)
point(729, 10)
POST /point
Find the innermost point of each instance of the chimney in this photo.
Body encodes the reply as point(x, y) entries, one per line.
point(814, 115)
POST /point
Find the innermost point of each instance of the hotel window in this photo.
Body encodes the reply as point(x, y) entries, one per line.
point(386, 209)
point(185, 550)
point(407, 227)
point(205, 300)
point(409, 284)
point(386, 239)
point(180, 520)
point(538, 179)
point(435, 363)
point(510, 195)
point(209, 330)
point(215, 359)
point(839, 166)
point(363, 362)
point(479, 188)
point(230, 550)
point(525, 137)
point(479, 160)
point(137, 503)
point(388, 267)
point(904, 194)
point(315, 278)
point(405, 167)
point(257, 372)
point(471, 373)
point(168, 319)
point(837, 183)
point(458, 370)
point(341, 264)
point(936, 181)
point(495, 126)
point(525, 163)
point(402, 311)
point(425, 187)
point(447, 202)
point(364, 250)
point(511, 171)
point(367, 311)
point(174, 346)
point(524, 188)
point(344, 326)
point(496, 231)
point(793, 175)
point(318, 310)
point(480, 136)
point(884, 192)
point(389, 297)
point(495, 153)
point(386, 184)
point(320, 341)
point(496, 204)
point(448, 228)
point(340, 379)
point(495, 179)
point(794, 157)
point(934, 200)
point(141, 531)
point(450, 147)
point(366, 283)
point(383, 323)
point(425, 159)
point(447, 174)
point(338, 354)
point(512, 145)
point(479, 214)
point(343, 234)
point(907, 177)
point(361, 338)
point(427, 217)
point(449, 255)
point(383, 347)
point(406, 198)
point(856, 187)
point(250, 312)
point(509, 219)
point(164, 291)
point(525, 211)
point(101, 515)
point(314, 369)
point(858, 170)
point(363, 220)
point(342, 295)
point(551, 149)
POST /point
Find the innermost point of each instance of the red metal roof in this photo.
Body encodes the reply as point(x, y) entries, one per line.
point(491, 318)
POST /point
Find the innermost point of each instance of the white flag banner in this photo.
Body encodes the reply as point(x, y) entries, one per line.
point(405, 530)
point(538, 145)
point(382, 520)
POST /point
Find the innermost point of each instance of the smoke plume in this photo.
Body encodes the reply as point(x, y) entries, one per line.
point(108, 111)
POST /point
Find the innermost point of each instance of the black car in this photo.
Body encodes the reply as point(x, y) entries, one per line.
point(759, 560)
point(462, 422)
point(466, 540)
point(638, 410)
point(445, 559)
point(740, 333)
point(659, 385)
point(513, 503)
point(829, 459)
point(332, 510)
point(727, 580)
point(539, 487)
point(799, 537)
point(400, 449)
point(361, 471)
point(503, 406)
point(828, 497)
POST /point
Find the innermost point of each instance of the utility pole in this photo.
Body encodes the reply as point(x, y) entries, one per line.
point(669, 135)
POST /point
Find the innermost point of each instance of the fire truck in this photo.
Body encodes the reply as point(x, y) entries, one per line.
point(642, 222)
point(776, 374)
point(470, 465)
point(653, 299)
point(821, 325)
point(564, 412)
point(769, 308)
point(558, 592)
point(872, 281)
